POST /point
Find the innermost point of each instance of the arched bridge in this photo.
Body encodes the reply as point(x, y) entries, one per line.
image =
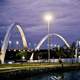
point(7, 36)
point(50, 35)
point(44, 39)
point(6, 40)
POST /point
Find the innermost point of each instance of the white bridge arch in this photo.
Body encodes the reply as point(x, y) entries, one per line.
point(6, 40)
point(44, 39)
point(54, 34)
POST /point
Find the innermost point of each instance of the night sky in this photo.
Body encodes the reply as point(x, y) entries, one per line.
point(29, 14)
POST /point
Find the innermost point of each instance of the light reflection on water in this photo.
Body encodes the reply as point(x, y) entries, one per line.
point(72, 75)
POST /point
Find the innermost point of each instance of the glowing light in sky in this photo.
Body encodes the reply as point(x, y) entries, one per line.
point(48, 17)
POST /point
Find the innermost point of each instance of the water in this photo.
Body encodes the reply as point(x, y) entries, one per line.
point(72, 75)
point(58, 76)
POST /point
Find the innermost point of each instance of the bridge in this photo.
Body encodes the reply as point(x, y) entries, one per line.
point(7, 37)
point(44, 39)
point(25, 45)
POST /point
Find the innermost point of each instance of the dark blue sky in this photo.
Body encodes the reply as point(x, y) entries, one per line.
point(29, 14)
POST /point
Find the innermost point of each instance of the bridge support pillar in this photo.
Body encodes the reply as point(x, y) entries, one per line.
point(2, 58)
point(31, 58)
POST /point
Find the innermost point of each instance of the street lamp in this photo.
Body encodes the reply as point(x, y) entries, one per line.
point(17, 43)
point(10, 42)
point(48, 18)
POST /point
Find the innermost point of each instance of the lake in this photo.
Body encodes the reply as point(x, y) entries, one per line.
point(72, 75)
point(69, 75)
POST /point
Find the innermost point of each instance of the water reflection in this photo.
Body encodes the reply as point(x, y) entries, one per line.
point(57, 76)
point(72, 75)
point(50, 76)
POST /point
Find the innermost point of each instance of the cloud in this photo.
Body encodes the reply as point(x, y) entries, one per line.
point(29, 14)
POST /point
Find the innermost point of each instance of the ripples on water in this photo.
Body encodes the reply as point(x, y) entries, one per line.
point(72, 75)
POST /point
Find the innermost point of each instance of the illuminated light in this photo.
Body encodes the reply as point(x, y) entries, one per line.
point(28, 50)
point(17, 42)
point(48, 17)
point(19, 50)
point(78, 56)
point(23, 58)
point(14, 50)
point(9, 50)
point(51, 45)
point(10, 42)
point(24, 50)
point(55, 45)
point(79, 43)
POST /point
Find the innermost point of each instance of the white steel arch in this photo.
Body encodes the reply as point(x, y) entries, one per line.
point(6, 40)
point(54, 34)
point(44, 39)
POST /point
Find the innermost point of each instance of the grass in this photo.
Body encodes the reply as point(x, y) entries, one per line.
point(34, 66)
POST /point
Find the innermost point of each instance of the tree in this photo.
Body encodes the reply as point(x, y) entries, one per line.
point(20, 54)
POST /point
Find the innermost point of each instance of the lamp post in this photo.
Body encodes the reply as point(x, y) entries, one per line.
point(48, 18)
